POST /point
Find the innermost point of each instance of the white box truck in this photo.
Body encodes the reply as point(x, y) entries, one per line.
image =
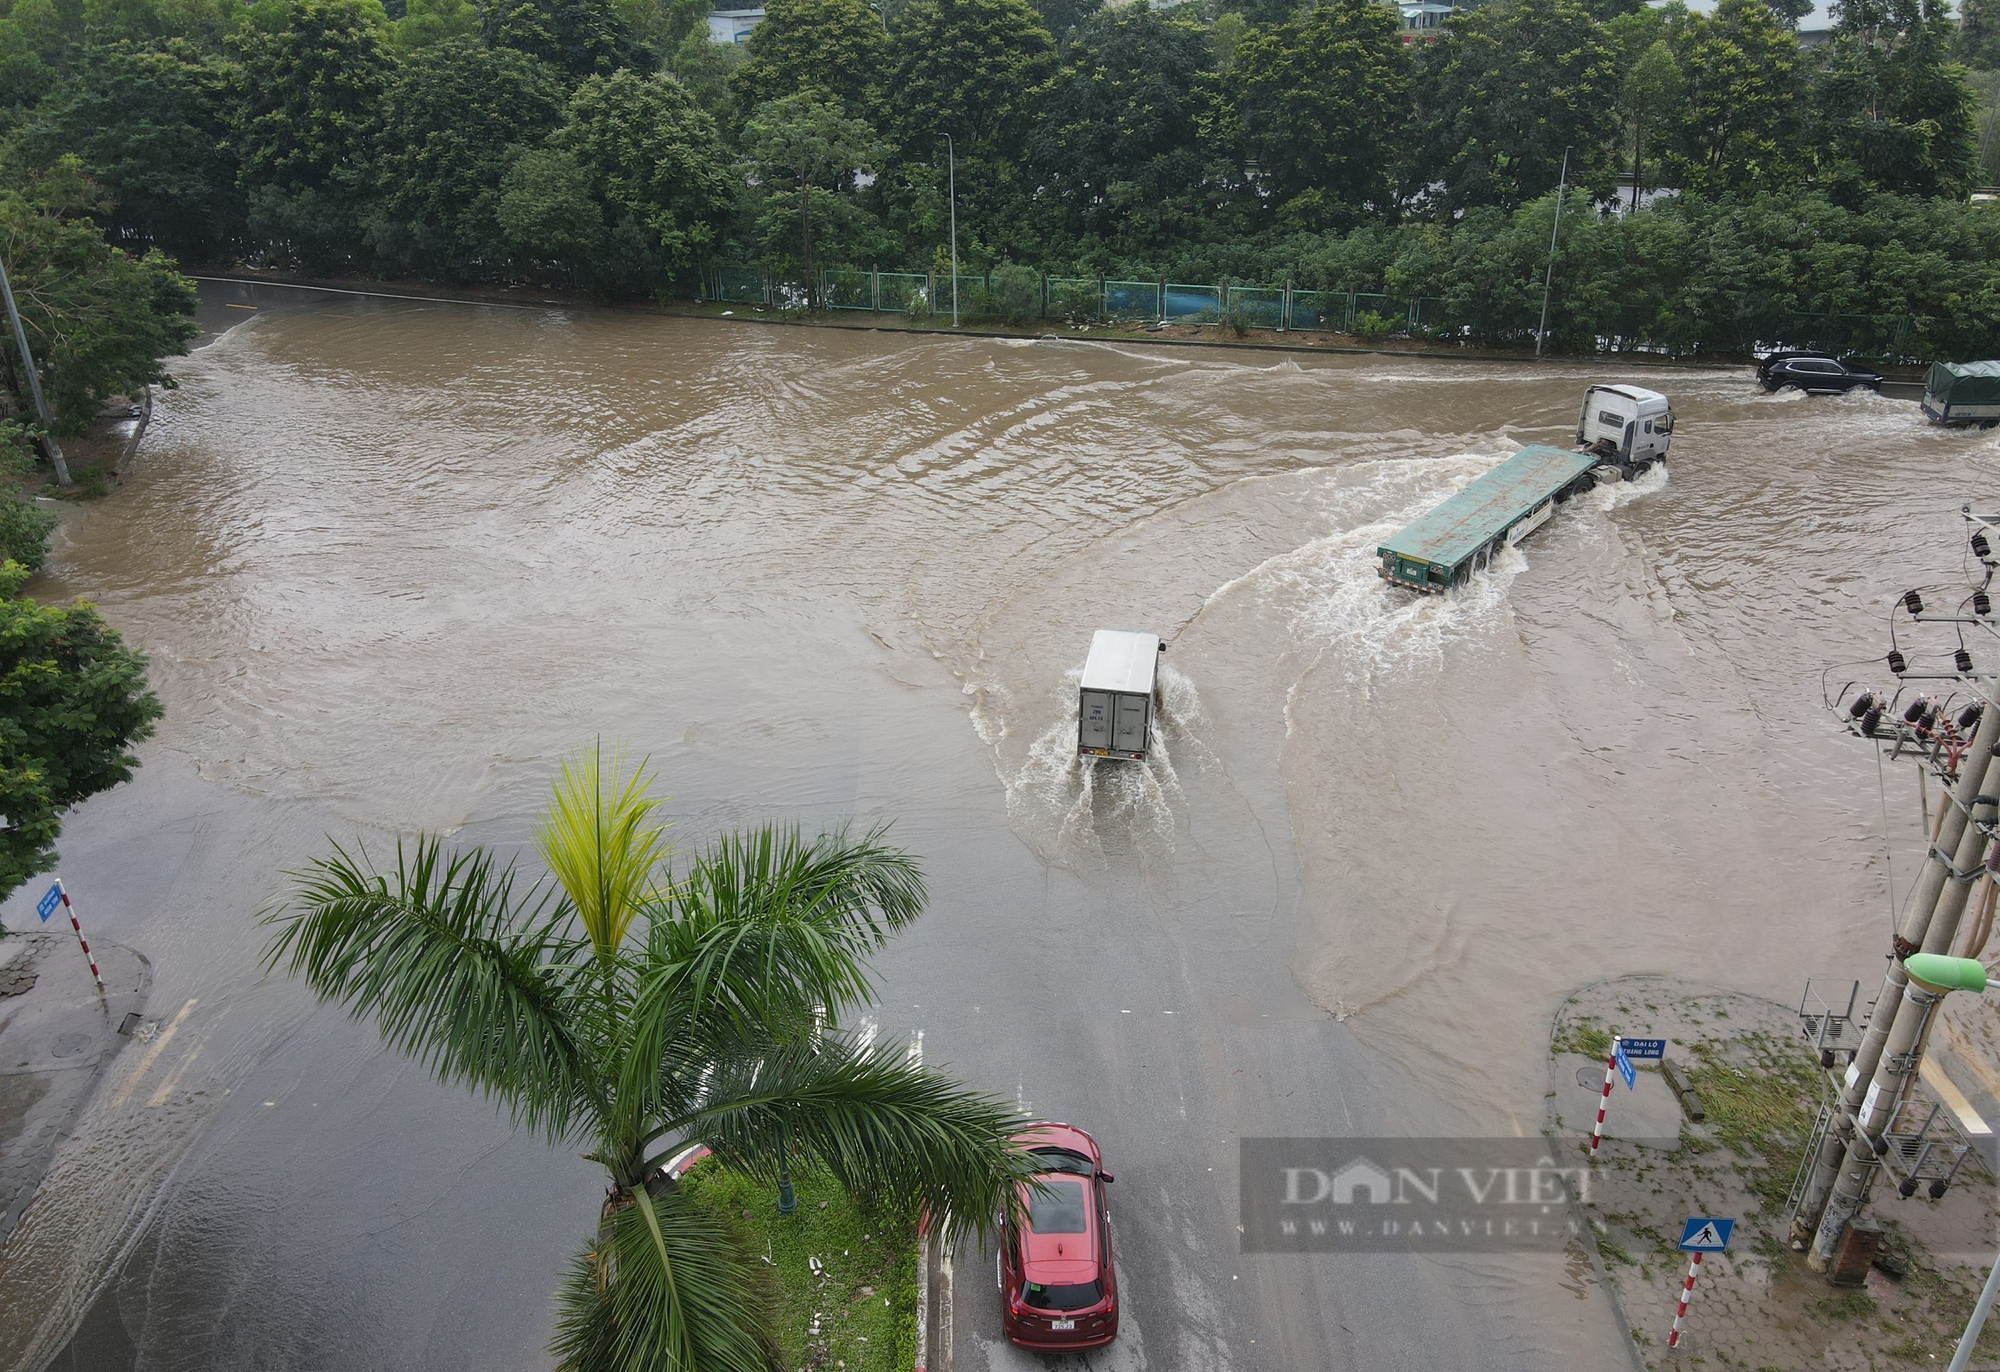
point(1115, 703)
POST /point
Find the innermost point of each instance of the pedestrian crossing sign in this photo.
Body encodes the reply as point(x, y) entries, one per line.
point(1704, 1235)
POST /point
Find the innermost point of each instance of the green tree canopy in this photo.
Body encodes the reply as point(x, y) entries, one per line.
point(1504, 91)
point(803, 153)
point(655, 165)
point(580, 37)
point(966, 68)
point(1320, 103)
point(1893, 108)
point(73, 701)
point(100, 323)
point(630, 1011)
point(1118, 133)
point(1650, 97)
point(1735, 125)
point(835, 47)
point(149, 126)
point(452, 113)
point(314, 72)
point(425, 23)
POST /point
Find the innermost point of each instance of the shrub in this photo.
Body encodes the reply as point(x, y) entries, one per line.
point(1017, 293)
point(1372, 327)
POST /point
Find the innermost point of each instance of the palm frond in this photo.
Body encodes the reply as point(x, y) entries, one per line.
point(665, 1287)
point(597, 838)
point(771, 925)
point(457, 972)
point(885, 1126)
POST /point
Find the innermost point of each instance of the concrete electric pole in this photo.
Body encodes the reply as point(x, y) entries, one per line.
point(1885, 1065)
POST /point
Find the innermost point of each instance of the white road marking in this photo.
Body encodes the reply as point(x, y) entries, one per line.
point(915, 1054)
point(153, 1053)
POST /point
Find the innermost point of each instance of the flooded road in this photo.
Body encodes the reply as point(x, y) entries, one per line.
point(391, 559)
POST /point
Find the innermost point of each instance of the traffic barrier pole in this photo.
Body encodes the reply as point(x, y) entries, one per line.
point(1610, 1074)
point(1687, 1289)
point(70, 910)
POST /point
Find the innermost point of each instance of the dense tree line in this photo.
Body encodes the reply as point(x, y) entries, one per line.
point(609, 144)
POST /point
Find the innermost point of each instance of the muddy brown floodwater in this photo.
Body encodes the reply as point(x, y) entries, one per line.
point(391, 559)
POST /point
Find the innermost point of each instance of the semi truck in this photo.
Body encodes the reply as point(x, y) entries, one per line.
point(1118, 695)
point(1620, 433)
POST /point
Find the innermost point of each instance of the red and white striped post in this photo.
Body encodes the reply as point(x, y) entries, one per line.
point(70, 910)
point(1610, 1075)
point(1687, 1289)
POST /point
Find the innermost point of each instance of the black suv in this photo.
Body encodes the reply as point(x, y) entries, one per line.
point(1812, 372)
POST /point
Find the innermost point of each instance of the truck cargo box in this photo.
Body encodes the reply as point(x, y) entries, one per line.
point(1116, 699)
point(1962, 392)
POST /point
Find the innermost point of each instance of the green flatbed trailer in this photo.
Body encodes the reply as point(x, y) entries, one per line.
point(1447, 545)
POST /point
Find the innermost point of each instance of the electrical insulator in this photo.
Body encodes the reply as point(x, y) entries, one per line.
point(1982, 603)
point(1980, 545)
point(1897, 662)
point(1962, 660)
point(1907, 1187)
point(1968, 718)
point(1860, 705)
point(1913, 602)
point(1871, 721)
point(1916, 710)
point(1938, 1189)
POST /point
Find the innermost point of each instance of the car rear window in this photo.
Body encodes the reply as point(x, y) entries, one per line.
point(1063, 1297)
point(1058, 1210)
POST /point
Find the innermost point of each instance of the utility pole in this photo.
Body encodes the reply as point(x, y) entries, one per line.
point(1854, 1134)
point(951, 164)
point(1549, 279)
point(34, 381)
point(1930, 922)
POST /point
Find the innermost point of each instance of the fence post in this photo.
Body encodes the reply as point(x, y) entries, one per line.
point(1103, 299)
point(1162, 302)
point(1285, 308)
point(930, 293)
point(1045, 297)
point(875, 288)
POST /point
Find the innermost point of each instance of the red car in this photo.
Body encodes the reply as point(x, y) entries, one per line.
point(1059, 1292)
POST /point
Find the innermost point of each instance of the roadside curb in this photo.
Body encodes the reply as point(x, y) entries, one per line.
point(416, 291)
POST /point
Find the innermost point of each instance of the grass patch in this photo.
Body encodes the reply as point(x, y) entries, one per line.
point(860, 1308)
point(1760, 1113)
point(1582, 1035)
point(1845, 1305)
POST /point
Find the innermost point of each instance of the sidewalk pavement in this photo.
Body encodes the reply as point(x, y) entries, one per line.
point(57, 1032)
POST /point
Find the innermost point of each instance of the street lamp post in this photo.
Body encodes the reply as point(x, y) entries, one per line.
point(951, 180)
point(1549, 280)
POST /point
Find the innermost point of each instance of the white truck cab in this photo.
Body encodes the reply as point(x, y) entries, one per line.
point(1629, 426)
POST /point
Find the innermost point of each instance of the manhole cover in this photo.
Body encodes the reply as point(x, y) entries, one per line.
point(1590, 1076)
point(69, 1045)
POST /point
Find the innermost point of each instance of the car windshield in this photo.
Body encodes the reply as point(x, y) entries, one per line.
point(1058, 1209)
point(1062, 1297)
point(1064, 1160)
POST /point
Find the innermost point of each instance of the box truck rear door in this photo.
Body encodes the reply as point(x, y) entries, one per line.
point(1130, 734)
point(1094, 720)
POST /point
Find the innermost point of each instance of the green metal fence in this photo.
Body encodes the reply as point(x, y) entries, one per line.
point(1132, 300)
point(1192, 304)
point(847, 290)
point(1258, 307)
point(1646, 327)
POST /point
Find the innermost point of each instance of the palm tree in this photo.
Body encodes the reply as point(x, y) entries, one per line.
point(638, 1012)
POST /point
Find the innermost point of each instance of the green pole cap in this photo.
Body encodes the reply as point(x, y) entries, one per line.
point(1941, 973)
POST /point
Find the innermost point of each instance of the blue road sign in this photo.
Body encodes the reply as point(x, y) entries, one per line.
point(46, 906)
point(1625, 1068)
point(1644, 1050)
point(1704, 1235)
